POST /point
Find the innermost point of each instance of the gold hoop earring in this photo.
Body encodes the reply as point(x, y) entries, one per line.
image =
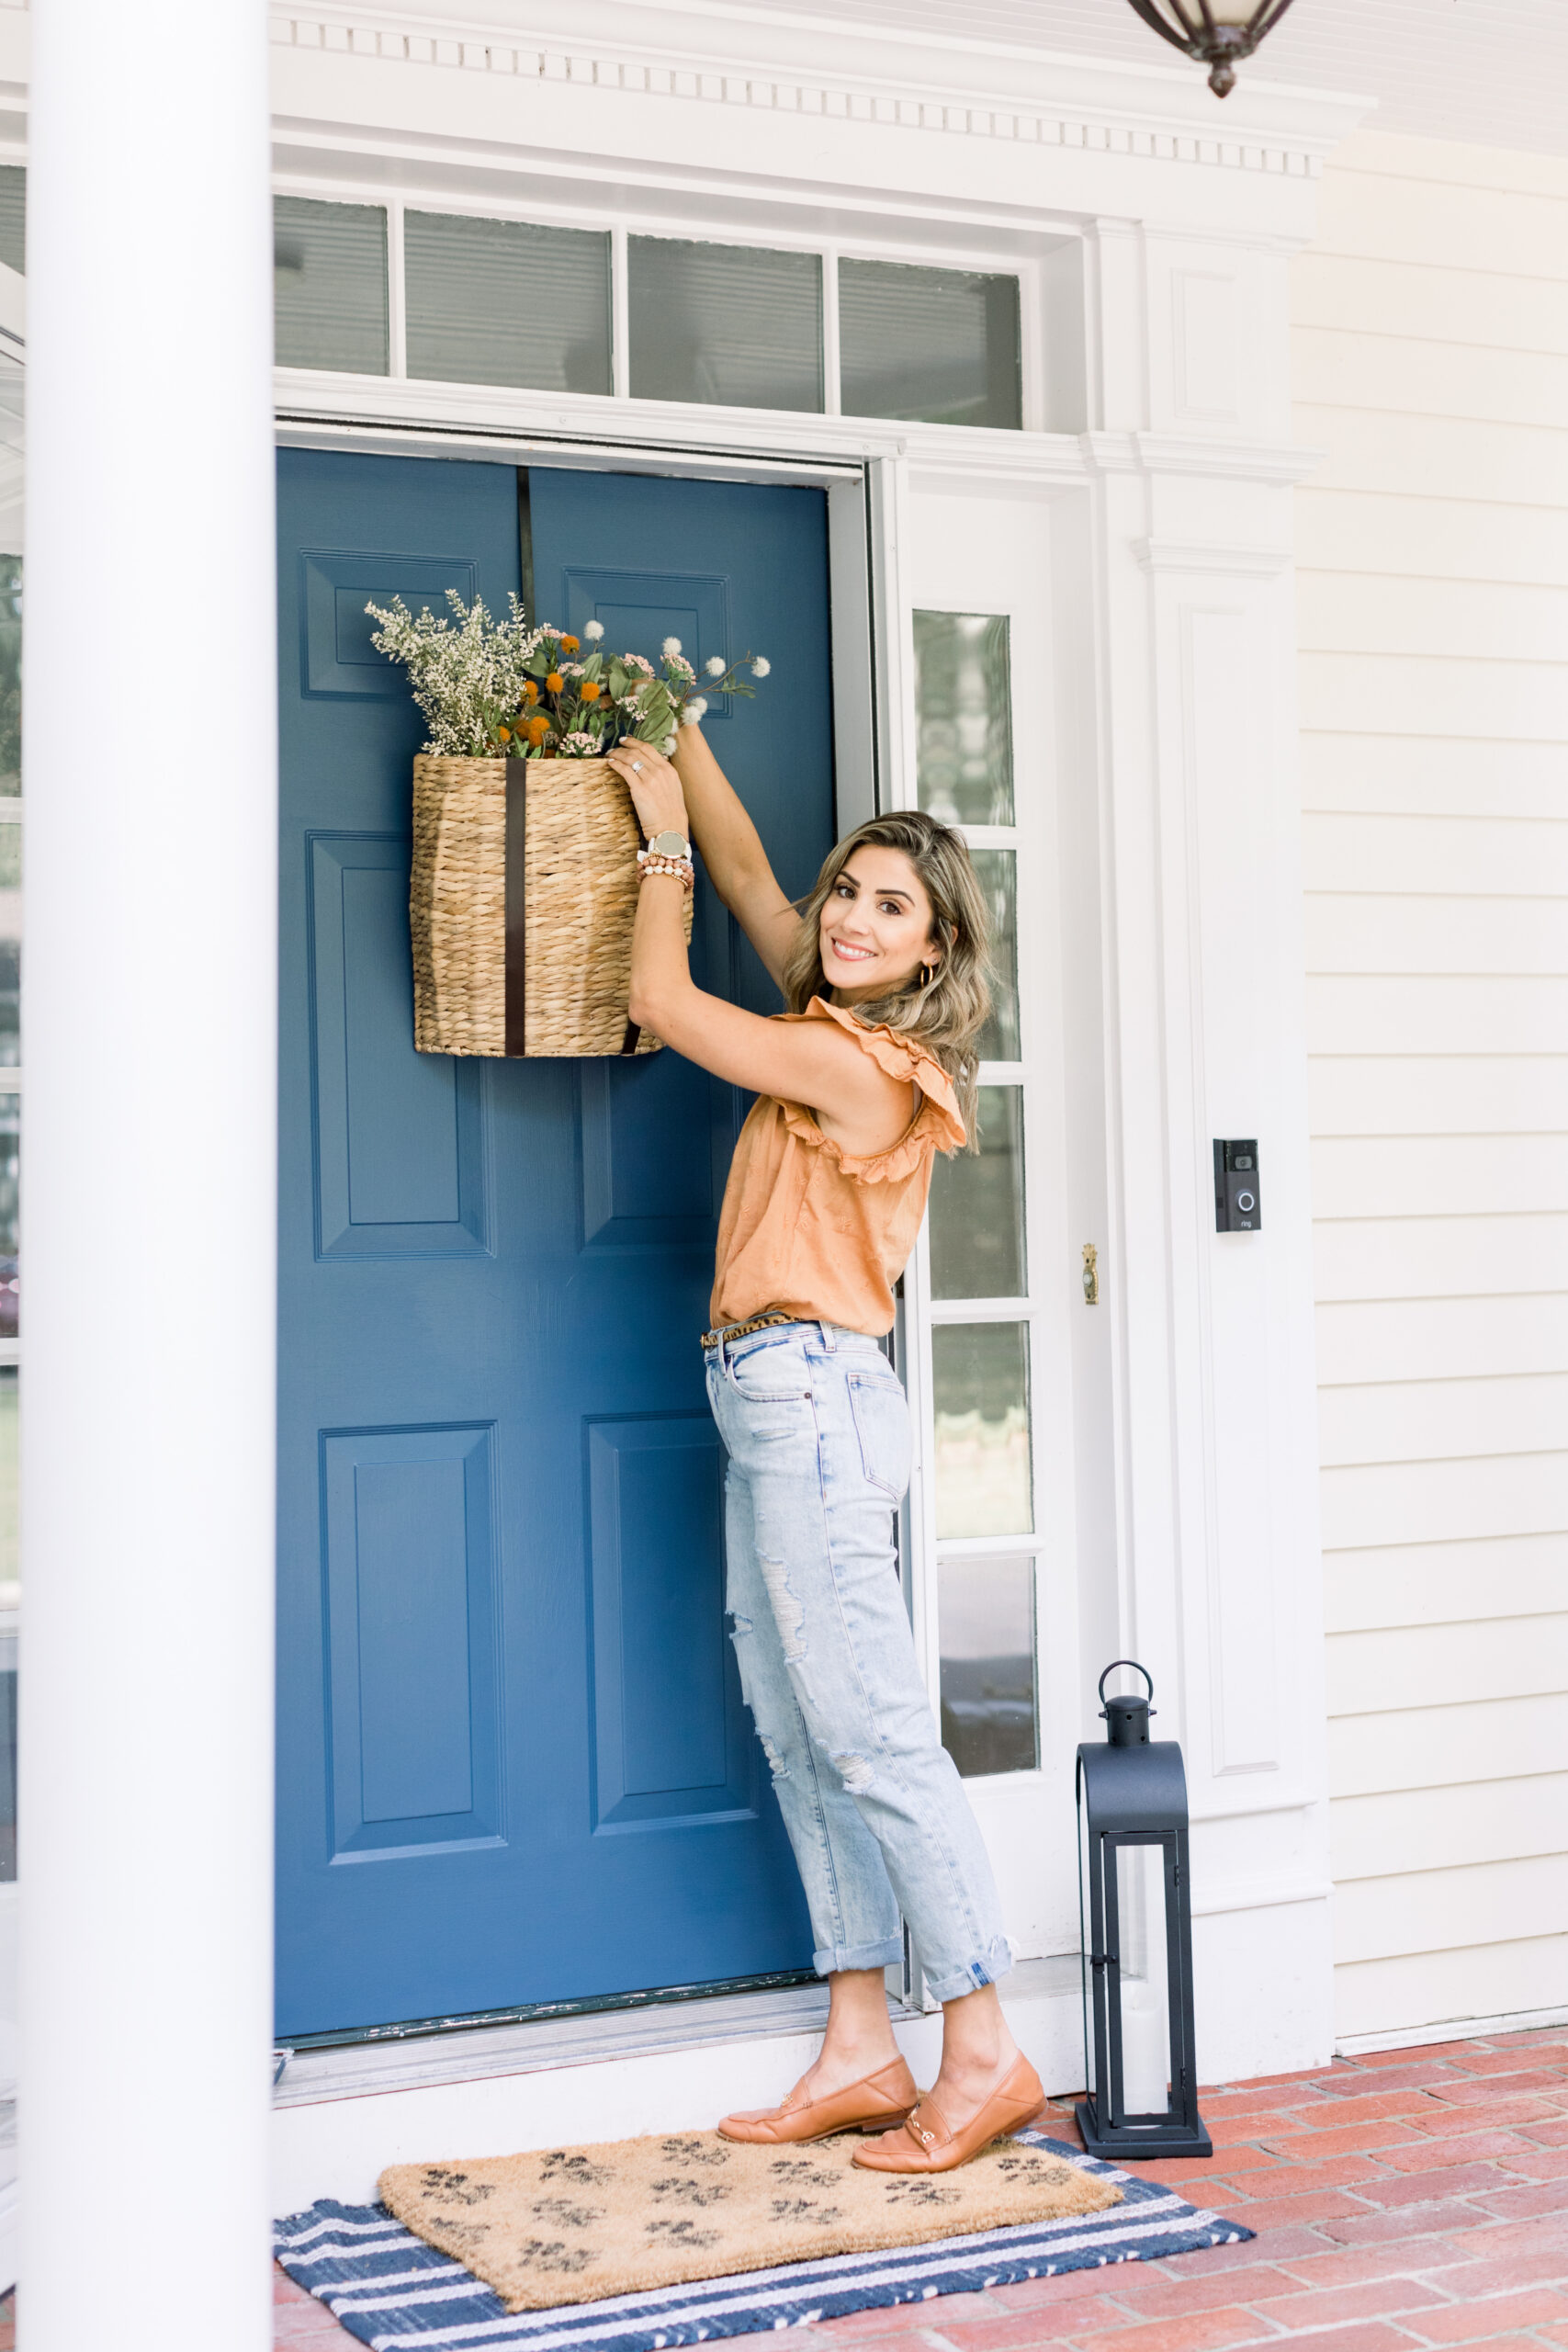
point(931, 976)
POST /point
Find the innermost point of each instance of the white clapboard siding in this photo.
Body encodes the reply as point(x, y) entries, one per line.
point(1351, 931)
point(1479, 700)
point(1444, 378)
point(1445, 1747)
point(1434, 1910)
point(1436, 1829)
point(1336, 615)
point(1420, 1502)
point(1450, 1582)
point(1442, 1339)
point(1445, 218)
point(1440, 538)
point(1431, 356)
point(1452, 1094)
point(1454, 855)
point(1377, 1998)
point(1438, 1175)
point(1453, 1257)
point(1447, 457)
point(1440, 1420)
point(1477, 309)
point(1436, 1012)
point(1422, 775)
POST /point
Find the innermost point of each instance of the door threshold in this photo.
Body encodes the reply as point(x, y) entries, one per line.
point(567, 2035)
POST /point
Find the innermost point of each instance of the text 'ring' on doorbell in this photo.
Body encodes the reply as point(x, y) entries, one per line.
point(1238, 1204)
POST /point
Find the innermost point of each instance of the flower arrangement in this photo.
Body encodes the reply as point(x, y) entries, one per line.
point(494, 689)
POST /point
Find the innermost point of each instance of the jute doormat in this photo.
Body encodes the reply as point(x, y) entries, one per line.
point(574, 2225)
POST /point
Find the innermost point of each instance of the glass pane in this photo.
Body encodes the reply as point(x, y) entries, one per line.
point(964, 754)
point(10, 675)
point(977, 1208)
point(9, 1552)
point(10, 856)
point(10, 1001)
point(10, 1169)
point(1145, 2008)
point(13, 215)
point(997, 871)
point(502, 302)
point(937, 344)
point(982, 1485)
point(989, 1710)
point(735, 325)
point(329, 285)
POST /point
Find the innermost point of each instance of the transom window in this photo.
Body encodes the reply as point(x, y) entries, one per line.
point(382, 289)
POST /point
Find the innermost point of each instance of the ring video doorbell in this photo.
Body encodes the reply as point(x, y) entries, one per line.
point(1238, 1204)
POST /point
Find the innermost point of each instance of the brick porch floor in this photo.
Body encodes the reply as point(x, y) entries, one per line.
point(1415, 2198)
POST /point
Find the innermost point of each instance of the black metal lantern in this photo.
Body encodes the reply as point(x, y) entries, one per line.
point(1141, 2093)
point(1220, 33)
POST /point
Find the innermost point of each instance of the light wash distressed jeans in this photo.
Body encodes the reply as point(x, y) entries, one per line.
point(817, 1428)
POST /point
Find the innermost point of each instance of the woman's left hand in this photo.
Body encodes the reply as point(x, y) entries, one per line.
point(654, 786)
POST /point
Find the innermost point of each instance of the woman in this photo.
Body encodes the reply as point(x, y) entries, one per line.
point(883, 970)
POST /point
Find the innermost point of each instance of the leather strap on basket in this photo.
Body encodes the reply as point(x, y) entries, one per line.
point(516, 906)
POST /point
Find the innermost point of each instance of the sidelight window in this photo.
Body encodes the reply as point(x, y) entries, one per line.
point(979, 1281)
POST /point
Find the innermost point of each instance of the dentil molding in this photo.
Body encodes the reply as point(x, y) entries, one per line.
point(724, 57)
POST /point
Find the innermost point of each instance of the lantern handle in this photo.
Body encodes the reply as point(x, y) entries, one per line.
point(1133, 1662)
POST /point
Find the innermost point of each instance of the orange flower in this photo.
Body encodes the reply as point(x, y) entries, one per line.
point(538, 728)
point(530, 691)
point(571, 645)
point(554, 682)
point(590, 690)
point(504, 733)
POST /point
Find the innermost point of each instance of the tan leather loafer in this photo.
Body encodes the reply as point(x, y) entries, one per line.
point(924, 2144)
point(870, 2105)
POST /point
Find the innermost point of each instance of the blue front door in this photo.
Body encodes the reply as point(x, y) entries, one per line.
point(515, 1767)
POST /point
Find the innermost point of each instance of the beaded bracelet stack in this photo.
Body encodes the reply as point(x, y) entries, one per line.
point(654, 861)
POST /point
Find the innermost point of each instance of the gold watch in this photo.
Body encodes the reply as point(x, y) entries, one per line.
point(669, 844)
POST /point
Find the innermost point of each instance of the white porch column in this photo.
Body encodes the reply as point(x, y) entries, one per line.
point(149, 1181)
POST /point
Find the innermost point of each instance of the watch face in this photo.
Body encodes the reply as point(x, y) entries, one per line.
point(670, 844)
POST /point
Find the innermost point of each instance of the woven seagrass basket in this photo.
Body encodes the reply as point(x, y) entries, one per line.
point(520, 905)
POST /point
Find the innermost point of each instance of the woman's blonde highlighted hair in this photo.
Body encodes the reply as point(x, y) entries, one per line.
point(946, 1018)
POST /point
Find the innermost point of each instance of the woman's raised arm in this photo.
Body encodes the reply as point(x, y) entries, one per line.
point(732, 851)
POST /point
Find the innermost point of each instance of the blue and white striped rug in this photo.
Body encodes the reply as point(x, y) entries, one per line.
point(391, 2289)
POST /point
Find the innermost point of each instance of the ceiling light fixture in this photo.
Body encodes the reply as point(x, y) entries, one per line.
point(1218, 32)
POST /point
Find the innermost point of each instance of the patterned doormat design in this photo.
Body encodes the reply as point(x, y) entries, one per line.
point(624, 2217)
point(392, 2291)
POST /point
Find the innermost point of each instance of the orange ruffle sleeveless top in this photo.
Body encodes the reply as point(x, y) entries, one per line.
point(819, 1231)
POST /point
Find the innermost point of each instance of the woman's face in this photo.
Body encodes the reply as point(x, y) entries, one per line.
point(876, 927)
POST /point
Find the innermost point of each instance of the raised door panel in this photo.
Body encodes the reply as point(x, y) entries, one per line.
point(399, 1147)
point(672, 1745)
point(410, 1604)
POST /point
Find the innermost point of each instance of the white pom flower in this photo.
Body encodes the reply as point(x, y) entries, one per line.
point(760, 667)
point(670, 645)
point(696, 710)
point(594, 632)
point(714, 665)
point(667, 746)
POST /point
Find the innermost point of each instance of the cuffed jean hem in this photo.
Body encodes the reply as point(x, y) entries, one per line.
point(887, 1954)
point(979, 1972)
